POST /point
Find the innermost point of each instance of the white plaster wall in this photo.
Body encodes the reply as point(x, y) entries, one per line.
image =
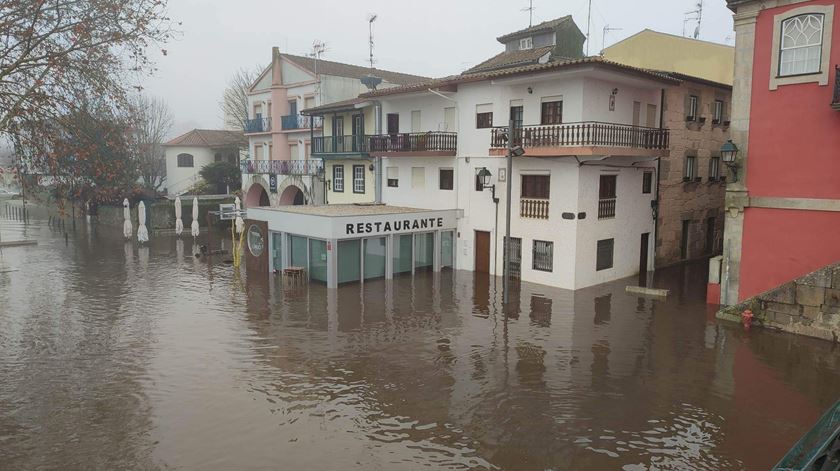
point(179, 179)
point(596, 96)
point(633, 218)
point(264, 98)
point(428, 197)
point(430, 106)
point(292, 73)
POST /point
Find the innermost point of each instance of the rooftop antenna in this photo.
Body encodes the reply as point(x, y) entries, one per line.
point(694, 15)
point(318, 48)
point(371, 19)
point(588, 24)
point(530, 10)
point(607, 29)
point(370, 80)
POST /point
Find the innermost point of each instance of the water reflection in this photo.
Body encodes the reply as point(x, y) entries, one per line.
point(119, 356)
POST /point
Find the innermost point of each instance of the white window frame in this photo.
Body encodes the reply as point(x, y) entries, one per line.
point(714, 168)
point(392, 173)
point(526, 43)
point(717, 117)
point(358, 179)
point(690, 168)
point(338, 178)
point(822, 76)
point(545, 265)
point(815, 44)
point(693, 107)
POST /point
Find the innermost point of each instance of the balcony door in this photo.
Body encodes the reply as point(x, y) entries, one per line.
point(517, 112)
point(358, 132)
point(393, 124)
point(338, 134)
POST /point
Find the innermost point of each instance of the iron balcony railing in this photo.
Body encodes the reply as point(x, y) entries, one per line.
point(533, 208)
point(282, 167)
point(257, 125)
point(340, 145)
point(835, 101)
point(606, 208)
point(819, 448)
point(299, 121)
point(415, 142)
point(588, 133)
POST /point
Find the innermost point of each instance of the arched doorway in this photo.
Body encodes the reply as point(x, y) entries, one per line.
point(292, 195)
point(256, 196)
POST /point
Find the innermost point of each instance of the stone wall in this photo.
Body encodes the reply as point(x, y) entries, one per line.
point(160, 214)
point(694, 201)
point(809, 305)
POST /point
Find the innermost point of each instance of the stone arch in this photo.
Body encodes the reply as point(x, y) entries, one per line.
point(257, 195)
point(292, 195)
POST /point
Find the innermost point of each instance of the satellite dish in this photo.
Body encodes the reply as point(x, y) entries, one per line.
point(371, 81)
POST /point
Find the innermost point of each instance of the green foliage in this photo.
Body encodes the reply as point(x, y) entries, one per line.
point(222, 174)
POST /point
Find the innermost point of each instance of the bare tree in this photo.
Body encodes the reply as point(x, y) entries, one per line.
point(151, 122)
point(235, 99)
point(54, 51)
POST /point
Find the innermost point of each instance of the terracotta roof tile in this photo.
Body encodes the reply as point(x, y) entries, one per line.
point(339, 69)
point(544, 26)
point(209, 138)
point(510, 59)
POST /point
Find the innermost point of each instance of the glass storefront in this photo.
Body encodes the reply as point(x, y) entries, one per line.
point(276, 252)
point(375, 257)
point(298, 251)
point(424, 251)
point(402, 253)
point(317, 260)
point(447, 249)
point(349, 260)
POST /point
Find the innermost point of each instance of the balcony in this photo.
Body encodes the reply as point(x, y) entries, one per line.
point(310, 167)
point(584, 138)
point(532, 208)
point(423, 144)
point(257, 125)
point(297, 121)
point(606, 208)
point(835, 101)
point(341, 145)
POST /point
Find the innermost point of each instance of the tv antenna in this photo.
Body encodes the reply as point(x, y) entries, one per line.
point(530, 9)
point(694, 15)
point(607, 29)
point(318, 48)
point(588, 24)
point(371, 18)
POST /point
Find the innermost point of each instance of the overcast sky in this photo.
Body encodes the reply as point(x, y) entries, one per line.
point(424, 37)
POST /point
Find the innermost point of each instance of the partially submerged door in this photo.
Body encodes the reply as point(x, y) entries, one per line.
point(482, 252)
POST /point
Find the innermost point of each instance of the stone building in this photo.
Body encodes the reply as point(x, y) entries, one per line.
point(692, 177)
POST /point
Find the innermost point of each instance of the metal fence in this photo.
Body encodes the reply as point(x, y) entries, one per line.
point(587, 133)
point(282, 167)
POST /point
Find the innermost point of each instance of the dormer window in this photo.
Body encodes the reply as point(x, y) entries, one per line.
point(526, 43)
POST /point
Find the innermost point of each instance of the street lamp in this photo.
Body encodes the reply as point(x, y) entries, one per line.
point(484, 177)
point(729, 151)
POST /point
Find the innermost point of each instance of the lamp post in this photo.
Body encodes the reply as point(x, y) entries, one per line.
point(512, 151)
point(729, 152)
point(485, 177)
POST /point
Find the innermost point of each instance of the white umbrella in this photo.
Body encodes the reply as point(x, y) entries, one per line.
point(127, 216)
point(239, 223)
point(179, 225)
point(195, 218)
point(142, 232)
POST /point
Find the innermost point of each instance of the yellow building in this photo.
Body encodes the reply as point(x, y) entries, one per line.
point(666, 52)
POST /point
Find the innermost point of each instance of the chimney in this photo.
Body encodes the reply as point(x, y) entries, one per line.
point(276, 70)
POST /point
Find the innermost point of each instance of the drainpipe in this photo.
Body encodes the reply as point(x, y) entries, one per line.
point(377, 164)
point(658, 176)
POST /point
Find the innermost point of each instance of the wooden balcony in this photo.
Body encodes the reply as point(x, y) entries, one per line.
point(606, 208)
point(533, 208)
point(430, 143)
point(584, 138)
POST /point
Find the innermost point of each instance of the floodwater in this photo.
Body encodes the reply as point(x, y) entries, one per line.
point(114, 356)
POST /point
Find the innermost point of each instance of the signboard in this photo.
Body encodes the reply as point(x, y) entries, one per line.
point(256, 240)
point(272, 183)
point(227, 211)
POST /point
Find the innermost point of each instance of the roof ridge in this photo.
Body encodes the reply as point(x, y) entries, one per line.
point(346, 64)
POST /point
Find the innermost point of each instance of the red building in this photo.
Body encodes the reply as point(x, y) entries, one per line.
point(783, 212)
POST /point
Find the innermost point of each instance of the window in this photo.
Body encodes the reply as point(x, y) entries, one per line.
point(526, 43)
point(418, 177)
point(690, 170)
point(536, 186)
point(607, 196)
point(258, 152)
point(415, 121)
point(718, 116)
point(450, 119)
point(517, 113)
point(479, 184)
point(484, 116)
point(338, 178)
point(446, 179)
point(358, 179)
point(686, 226)
point(293, 152)
point(710, 234)
point(693, 105)
point(393, 176)
point(185, 160)
point(800, 51)
point(714, 169)
point(552, 112)
point(604, 256)
point(647, 182)
point(543, 257)
point(217, 157)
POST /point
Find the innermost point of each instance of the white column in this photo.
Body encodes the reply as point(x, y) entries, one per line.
point(389, 257)
point(332, 263)
point(436, 259)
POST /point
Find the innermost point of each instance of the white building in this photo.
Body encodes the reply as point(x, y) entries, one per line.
point(186, 154)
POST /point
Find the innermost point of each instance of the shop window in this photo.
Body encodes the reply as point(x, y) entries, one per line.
point(402, 253)
point(447, 249)
point(604, 257)
point(375, 257)
point(318, 260)
point(543, 256)
point(298, 252)
point(349, 260)
point(424, 251)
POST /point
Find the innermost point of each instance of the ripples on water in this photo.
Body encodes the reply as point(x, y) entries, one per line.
point(114, 356)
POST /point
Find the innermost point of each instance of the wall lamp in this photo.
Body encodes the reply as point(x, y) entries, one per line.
point(729, 152)
point(484, 177)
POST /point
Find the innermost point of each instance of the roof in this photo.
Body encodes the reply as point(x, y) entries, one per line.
point(335, 106)
point(691, 78)
point(209, 138)
point(670, 35)
point(333, 210)
point(526, 69)
point(544, 26)
point(353, 71)
point(514, 58)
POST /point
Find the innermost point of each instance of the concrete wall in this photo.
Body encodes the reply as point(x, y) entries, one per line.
point(809, 305)
point(429, 196)
point(160, 214)
point(348, 196)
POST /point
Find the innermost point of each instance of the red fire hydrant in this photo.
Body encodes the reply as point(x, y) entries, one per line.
point(746, 319)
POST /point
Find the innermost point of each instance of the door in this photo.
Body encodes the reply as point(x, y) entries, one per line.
point(358, 132)
point(516, 114)
point(643, 250)
point(393, 124)
point(338, 134)
point(515, 257)
point(651, 116)
point(293, 108)
point(482, 252)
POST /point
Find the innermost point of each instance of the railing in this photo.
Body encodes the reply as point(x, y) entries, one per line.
point(590, 133)
point(415, 142)
point(340, 144)
point(299, 121)
point(835, 102)
point(606, 208)
point(533, 208)
point(282, 167)
point(257, 125)
point(817, 450)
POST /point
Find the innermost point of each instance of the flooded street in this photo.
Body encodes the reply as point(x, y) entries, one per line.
point(114, 356)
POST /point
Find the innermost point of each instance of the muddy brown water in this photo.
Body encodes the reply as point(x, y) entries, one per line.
point(114, 356)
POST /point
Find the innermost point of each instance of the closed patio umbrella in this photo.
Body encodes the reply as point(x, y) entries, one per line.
point(239, 223)
point(127, 216)
point(179, 225)
point(195, 218)
point(142, 232)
